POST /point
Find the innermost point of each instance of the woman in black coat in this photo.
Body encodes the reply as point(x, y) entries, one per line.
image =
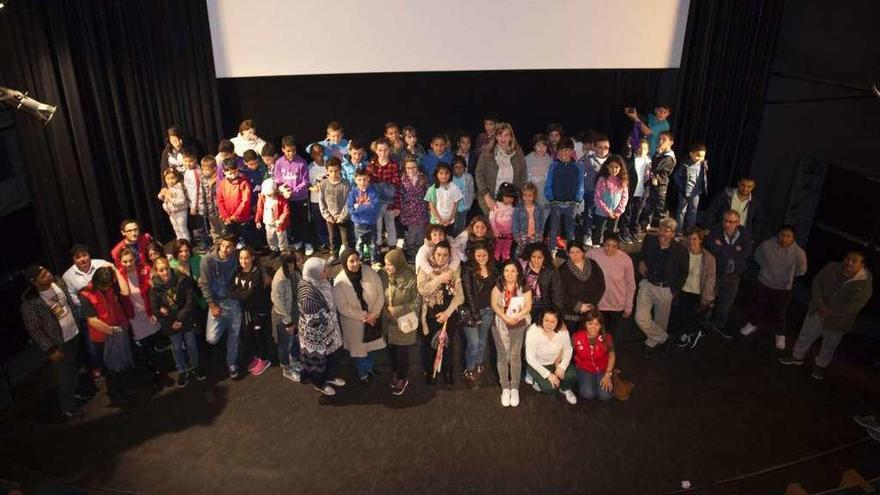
point(583, 285)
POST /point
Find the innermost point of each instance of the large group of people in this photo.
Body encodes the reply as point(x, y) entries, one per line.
point(384, 246)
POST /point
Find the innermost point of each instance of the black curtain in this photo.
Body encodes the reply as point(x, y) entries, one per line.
point(726, 62)
point(120, 73)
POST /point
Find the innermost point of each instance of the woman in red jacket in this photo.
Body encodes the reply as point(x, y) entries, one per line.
point(134, 285)
point(594, 358)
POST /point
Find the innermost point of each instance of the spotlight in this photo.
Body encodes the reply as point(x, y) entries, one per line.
point(21, 101)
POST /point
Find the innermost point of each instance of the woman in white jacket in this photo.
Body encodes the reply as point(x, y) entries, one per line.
point(359, 297)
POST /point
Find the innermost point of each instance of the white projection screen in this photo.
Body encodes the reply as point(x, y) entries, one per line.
point(299, 37)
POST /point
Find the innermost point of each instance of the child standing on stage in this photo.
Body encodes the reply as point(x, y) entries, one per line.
point(273, 214)
point(174, 202)
point(501, 219)
point(317, 171)
point(443, 197)
point(465, 182)
point(413, 214)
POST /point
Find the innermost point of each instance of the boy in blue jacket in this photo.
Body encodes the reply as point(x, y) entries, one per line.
point(354, 161)
point(364, 206)
point(690, 179)
point(564, 189)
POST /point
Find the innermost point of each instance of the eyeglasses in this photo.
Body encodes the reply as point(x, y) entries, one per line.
point(131, 230)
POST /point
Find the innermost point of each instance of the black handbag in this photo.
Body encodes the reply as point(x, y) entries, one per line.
point(372, 332)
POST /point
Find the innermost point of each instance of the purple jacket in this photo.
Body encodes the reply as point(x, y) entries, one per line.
point(293, 174)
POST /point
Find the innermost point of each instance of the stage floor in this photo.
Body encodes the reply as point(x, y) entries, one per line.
point(718, 412)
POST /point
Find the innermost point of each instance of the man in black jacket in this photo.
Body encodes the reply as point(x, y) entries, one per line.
point(664, 266)
point(731, 244)
point(47, 312)
point(740, 199)
point(662, 165)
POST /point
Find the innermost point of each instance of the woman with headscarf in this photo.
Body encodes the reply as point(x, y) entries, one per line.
point(442, 294)
point(400, 316)
point(583, 285)
point(359, 298)
point(320, 338)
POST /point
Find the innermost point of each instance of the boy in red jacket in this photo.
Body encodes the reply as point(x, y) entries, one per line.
point(233, 199)
point(273, 213)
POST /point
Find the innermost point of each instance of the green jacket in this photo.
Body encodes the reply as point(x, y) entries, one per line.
point(844, 297)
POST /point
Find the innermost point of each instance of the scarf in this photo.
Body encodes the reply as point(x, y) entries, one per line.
point(531, 277)
point(582, 275)
point(356, 278)
point(402, 271)
point(313, 272)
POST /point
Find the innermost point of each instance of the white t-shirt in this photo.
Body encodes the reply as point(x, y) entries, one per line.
point(268, 210)
point(57, 302)
point(76, 279)
point(316, 173)
point(695, 265)
point(191, 186)
point(445, 197)
point(641, 164)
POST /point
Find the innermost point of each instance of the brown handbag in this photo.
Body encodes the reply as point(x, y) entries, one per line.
point(620, 387)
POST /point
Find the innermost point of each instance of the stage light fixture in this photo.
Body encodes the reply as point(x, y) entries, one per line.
point(21, 101)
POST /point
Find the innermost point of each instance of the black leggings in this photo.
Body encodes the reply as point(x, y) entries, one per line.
point(399, 355)
point(258, 331)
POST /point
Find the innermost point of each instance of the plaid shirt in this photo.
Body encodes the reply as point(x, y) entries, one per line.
point(386, 175)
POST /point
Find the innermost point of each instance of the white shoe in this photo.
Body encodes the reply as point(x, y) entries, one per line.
point(514, 397)
point(290, 374)
point(326, 390)
point(588, 241)
point(780, 342)
point(505, 398)
point(528, 379)
point(336, 382)
point(570, 397)
point(309, 250)
point(401, 243)
point(748, 329)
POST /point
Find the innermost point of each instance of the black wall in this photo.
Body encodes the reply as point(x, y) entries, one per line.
point(441, 101)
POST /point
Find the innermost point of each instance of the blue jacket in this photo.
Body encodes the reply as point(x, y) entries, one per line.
point(679, 178)
point(215, 276)
point(430, 161)
point(565, 182)
point(365, 213)
point(338, 150)
point(521, 220)
point(348, 169)
point(730, 257)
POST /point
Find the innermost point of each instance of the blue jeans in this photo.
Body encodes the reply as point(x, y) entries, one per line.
point(565, 212)
point(288, 349)
point(366, 235)
point(687, 212)
point(476, 339)
point(364, 365)
point(321, 235)
point(589, 385)
point(460, 222)
point(184, 344)
point(588, 214)
point(229, 322)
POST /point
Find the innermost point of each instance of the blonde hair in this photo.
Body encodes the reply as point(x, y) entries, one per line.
point(499, 128)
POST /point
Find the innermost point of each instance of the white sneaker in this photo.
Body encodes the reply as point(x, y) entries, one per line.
point(780, 342)
point(290, 374)
point(309, 250)
point(326, 390)
point(528, 379)
point(570, 397)
point(514, 397)
point(401, 243)
point(748, 329)
point(588, 241)
point(336, 382)
point(505, 398)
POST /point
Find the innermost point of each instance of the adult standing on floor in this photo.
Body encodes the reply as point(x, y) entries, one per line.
point(698, 292)
point(47, 313)
point(133, 239)
point(731, 244)
point(400, 316)
point(840, 290)
point(781, 260)
point(478, 278)
point(620, 282)
point(512, 304)
point(320, 337)
point(285, 316)
point(664, 266)
point(583, 283)
point(360, 299)
point(740, 199)
point(224, 312)
point(442, 294)
point(501, 161)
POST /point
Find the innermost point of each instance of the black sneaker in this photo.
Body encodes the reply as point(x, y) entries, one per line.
point(400, 387)
point(200, 374)
point(78, 414)
point(790, 361)
point(722, 332)
point(818, 373)
point(684, 340)
point(162, 345)
point(695, 338)
point(182, 379)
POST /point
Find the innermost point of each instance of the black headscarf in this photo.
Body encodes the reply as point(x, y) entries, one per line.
point(354, 277)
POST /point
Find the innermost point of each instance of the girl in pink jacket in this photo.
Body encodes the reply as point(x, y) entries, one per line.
point(610, 197)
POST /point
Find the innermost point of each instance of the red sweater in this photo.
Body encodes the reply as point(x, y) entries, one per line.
point(280, 212)
point(592, 358)
point(234, 199)
point(108, 308)
point(142, 242)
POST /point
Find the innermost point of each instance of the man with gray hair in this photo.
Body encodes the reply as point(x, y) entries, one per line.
point(731, 244)
point(664, 266)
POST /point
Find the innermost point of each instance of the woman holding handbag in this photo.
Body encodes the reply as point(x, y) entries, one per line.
point(359, 299)
point(478, 279)
point(512, 304)
point(442, 294)
point(400, 316)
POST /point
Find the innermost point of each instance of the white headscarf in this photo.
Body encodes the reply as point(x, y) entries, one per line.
point(313, 272)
